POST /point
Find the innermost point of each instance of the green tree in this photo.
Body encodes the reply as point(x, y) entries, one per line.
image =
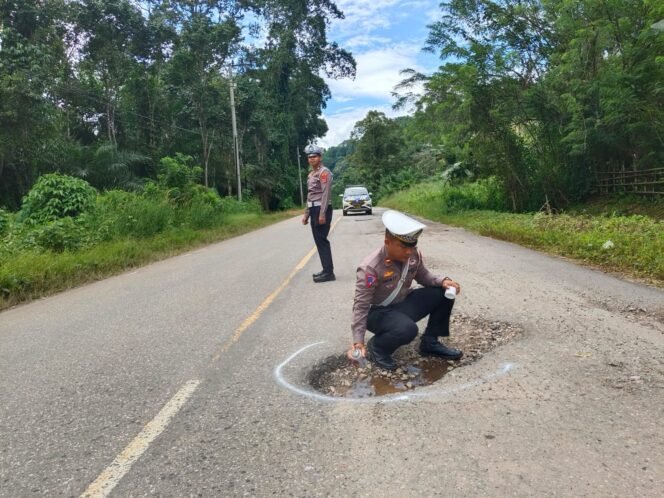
point(95, 88)
point(543, 94)
point(290, 94)
point(208, 34)
point(379, 144)
point(32, 56)
point(110, 34)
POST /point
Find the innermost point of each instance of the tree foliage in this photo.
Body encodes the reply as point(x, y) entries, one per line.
point(105, 89)
point(543, 95)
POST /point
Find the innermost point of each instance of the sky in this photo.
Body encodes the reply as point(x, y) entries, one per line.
point(385, 37)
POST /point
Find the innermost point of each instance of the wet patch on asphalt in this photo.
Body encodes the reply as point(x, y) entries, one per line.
point(339, 377)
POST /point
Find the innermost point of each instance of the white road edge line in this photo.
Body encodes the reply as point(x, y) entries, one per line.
point(110, 477)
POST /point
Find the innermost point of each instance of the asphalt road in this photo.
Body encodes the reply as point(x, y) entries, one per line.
point(186, 378)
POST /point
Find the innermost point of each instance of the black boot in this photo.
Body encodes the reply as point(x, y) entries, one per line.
point(318, 274)
point(380, 357)
point(430, 346)
point(324, 277)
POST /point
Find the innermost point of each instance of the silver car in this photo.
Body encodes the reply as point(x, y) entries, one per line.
point(356, 199)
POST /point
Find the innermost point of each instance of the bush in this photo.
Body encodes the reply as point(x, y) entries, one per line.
point(57, 196)
point(179, 178)
point(483, 194)
point(287, 203)
point(433, 199)
point(58, 236)
point(126, 213)
point(230, 205)
point(5, 218)
point(202, 214)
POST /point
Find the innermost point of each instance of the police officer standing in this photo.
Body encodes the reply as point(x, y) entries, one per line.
point(386, 305)
point(319, 209)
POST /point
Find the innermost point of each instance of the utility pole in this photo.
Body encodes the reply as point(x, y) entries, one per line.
point(235, 140)
point(299, 171)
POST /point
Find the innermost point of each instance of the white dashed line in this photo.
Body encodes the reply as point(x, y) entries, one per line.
point(110, 477)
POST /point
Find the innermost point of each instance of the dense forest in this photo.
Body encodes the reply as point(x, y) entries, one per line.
point(534, 100)
point(103, 90)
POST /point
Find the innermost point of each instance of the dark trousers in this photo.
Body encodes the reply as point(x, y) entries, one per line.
point(320, 233)
point(396, 324)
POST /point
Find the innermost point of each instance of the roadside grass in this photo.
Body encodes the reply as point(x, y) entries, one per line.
point(620, 205)
point(33, 274)
point(629, 244)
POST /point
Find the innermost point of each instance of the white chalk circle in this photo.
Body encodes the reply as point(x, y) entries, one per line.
point(388, 398)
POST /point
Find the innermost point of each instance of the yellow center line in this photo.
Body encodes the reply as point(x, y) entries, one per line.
point(112, 475)
point(265, 304)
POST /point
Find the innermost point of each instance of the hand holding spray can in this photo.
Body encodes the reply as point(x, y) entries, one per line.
point(356, 356)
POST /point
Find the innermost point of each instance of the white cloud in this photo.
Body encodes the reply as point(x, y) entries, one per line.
point(434, 15)
point(416, 4)
point(378, 71)
point(341, 123)
point(383, 36)
point(362, 16)
point(365, 41)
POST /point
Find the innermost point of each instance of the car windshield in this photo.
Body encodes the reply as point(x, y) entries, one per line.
point(356, 191)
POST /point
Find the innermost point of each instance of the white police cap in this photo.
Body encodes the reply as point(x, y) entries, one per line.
point(313, 149)
point(402, 227)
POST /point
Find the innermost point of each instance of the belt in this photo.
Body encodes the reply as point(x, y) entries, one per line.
point(313, 203)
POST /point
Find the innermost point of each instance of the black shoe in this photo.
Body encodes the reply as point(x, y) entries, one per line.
point(324, 277)
point(318, 274)
point(379, 357)
point(431, 347)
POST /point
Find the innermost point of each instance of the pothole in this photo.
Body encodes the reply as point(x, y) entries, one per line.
point(339, 377)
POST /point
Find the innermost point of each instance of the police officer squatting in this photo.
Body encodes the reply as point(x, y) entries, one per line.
point(386, 305)
point(319, 210)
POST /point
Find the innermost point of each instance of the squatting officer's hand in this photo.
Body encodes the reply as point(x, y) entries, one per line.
point(357, 345)
point(305, 219)
point(448, 282)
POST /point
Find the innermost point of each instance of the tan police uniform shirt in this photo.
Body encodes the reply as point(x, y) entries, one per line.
point(377, 277)
point(319, 185)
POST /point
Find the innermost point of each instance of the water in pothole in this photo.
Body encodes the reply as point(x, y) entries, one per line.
point(421, 373)
point(337, 376)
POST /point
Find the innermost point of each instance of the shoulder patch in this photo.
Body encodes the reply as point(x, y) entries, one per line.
point(324, 176)
point(370, 280)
